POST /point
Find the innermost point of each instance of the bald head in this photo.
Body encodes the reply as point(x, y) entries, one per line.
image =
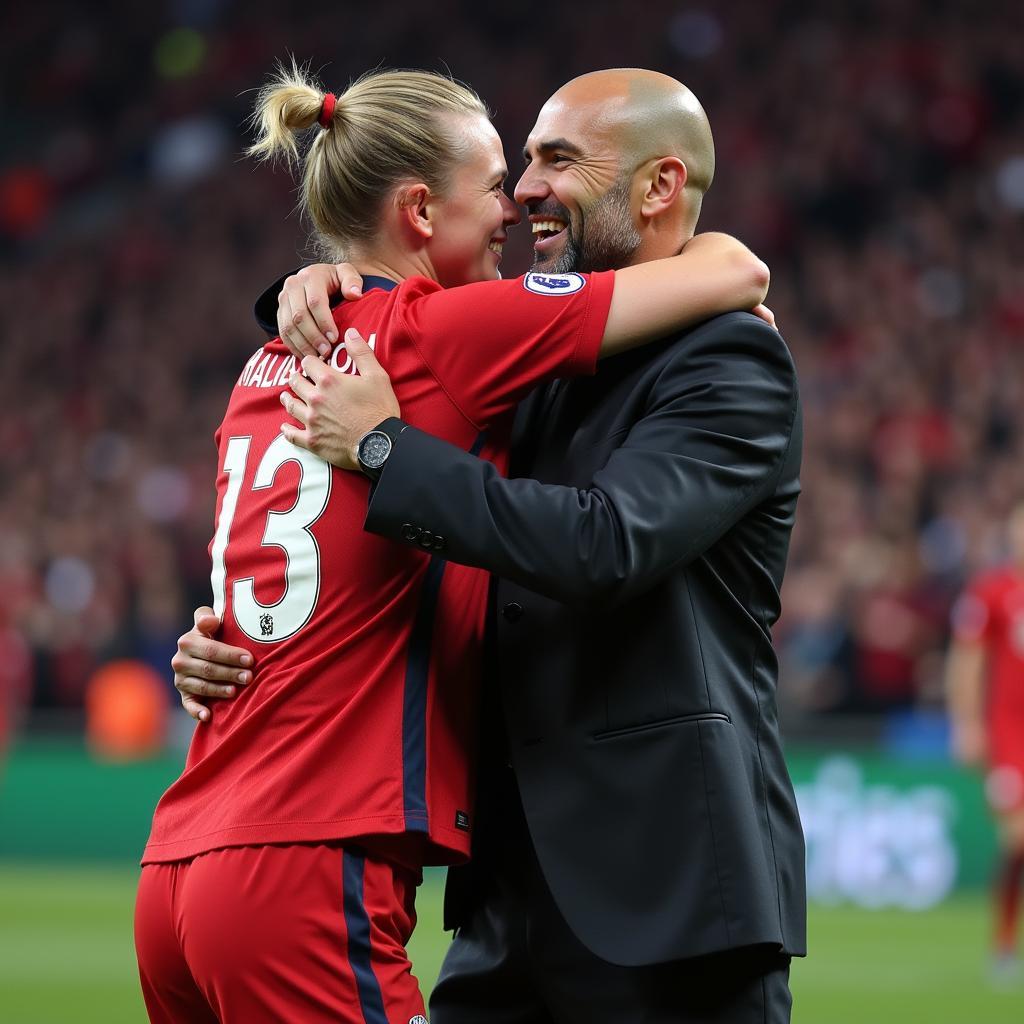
point(651, 114)
point(622, 159)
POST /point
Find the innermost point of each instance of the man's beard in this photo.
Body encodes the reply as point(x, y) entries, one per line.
point(605, 238)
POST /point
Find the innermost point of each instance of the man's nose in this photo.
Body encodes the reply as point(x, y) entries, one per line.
point(531, 188)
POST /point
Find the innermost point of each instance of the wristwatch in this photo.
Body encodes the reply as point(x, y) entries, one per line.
point(375, 446)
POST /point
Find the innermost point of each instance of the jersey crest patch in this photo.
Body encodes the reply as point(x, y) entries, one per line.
point(554, 284)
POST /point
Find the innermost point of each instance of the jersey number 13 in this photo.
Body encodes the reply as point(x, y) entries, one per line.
point(288, 530)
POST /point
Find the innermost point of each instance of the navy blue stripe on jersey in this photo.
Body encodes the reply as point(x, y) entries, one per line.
point(417, 676)
point(357, 924)
point(373, 281)
point(414, 710)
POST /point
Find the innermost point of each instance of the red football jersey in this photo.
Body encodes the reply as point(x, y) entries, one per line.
point(361, 715)
point(991, 611)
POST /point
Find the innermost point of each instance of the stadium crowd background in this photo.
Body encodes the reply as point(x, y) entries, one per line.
point(872, 153)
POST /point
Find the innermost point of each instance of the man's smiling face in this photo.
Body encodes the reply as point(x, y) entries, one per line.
point(575, 187)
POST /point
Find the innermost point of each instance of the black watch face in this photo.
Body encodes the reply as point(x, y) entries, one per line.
point(374, 449)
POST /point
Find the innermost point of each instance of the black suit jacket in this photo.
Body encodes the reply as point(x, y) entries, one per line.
point(639, 546)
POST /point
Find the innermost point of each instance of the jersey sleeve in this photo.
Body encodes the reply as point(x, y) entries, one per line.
point(489, 344)
point(973, 613)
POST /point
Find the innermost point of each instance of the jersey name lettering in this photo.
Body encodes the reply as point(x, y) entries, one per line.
point(267, 370)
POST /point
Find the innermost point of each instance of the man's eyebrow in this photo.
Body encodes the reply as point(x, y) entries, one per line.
point(550, 145)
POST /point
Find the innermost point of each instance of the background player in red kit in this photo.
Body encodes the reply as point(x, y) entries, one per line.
point(279, 877)
point(986, 697)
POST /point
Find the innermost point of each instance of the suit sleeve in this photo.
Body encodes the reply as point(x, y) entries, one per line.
point(265, 309)
point(709, 447)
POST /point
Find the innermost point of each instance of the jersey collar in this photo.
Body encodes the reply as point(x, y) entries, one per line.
point(265, 309)
point(372, 281)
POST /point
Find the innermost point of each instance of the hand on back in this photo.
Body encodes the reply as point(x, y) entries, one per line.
point(206, 669)
point(304, 319)
point(336, 409)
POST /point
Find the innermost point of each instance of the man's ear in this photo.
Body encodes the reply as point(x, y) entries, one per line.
point(415, 205)
point(663, 180)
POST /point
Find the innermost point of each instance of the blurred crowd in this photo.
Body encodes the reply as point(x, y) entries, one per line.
point(872, 153)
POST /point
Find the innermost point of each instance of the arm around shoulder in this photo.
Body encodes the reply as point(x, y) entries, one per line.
point(714, 273)
point(718, 424)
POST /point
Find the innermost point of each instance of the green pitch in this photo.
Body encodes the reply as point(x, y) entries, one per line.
point(66, 956)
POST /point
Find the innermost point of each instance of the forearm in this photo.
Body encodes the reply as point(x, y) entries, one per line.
point(715, 273)
point(709, 448)
point(558, 541)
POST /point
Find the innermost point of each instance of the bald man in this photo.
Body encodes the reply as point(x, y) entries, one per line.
point(637, 854)
point(648, 148)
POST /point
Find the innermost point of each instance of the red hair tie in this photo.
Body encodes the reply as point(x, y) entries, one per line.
point(327, 110)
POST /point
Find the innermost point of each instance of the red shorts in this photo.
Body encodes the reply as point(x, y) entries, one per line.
point(304, 933)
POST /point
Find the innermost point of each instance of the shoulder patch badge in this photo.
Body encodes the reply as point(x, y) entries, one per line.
point(554, 284)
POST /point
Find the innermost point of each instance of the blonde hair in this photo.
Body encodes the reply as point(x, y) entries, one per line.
point(386, 128)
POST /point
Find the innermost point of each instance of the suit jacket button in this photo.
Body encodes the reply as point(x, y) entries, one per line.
point(425, 540)
point(513, 611)
point(410, 532)
point(439, 542)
